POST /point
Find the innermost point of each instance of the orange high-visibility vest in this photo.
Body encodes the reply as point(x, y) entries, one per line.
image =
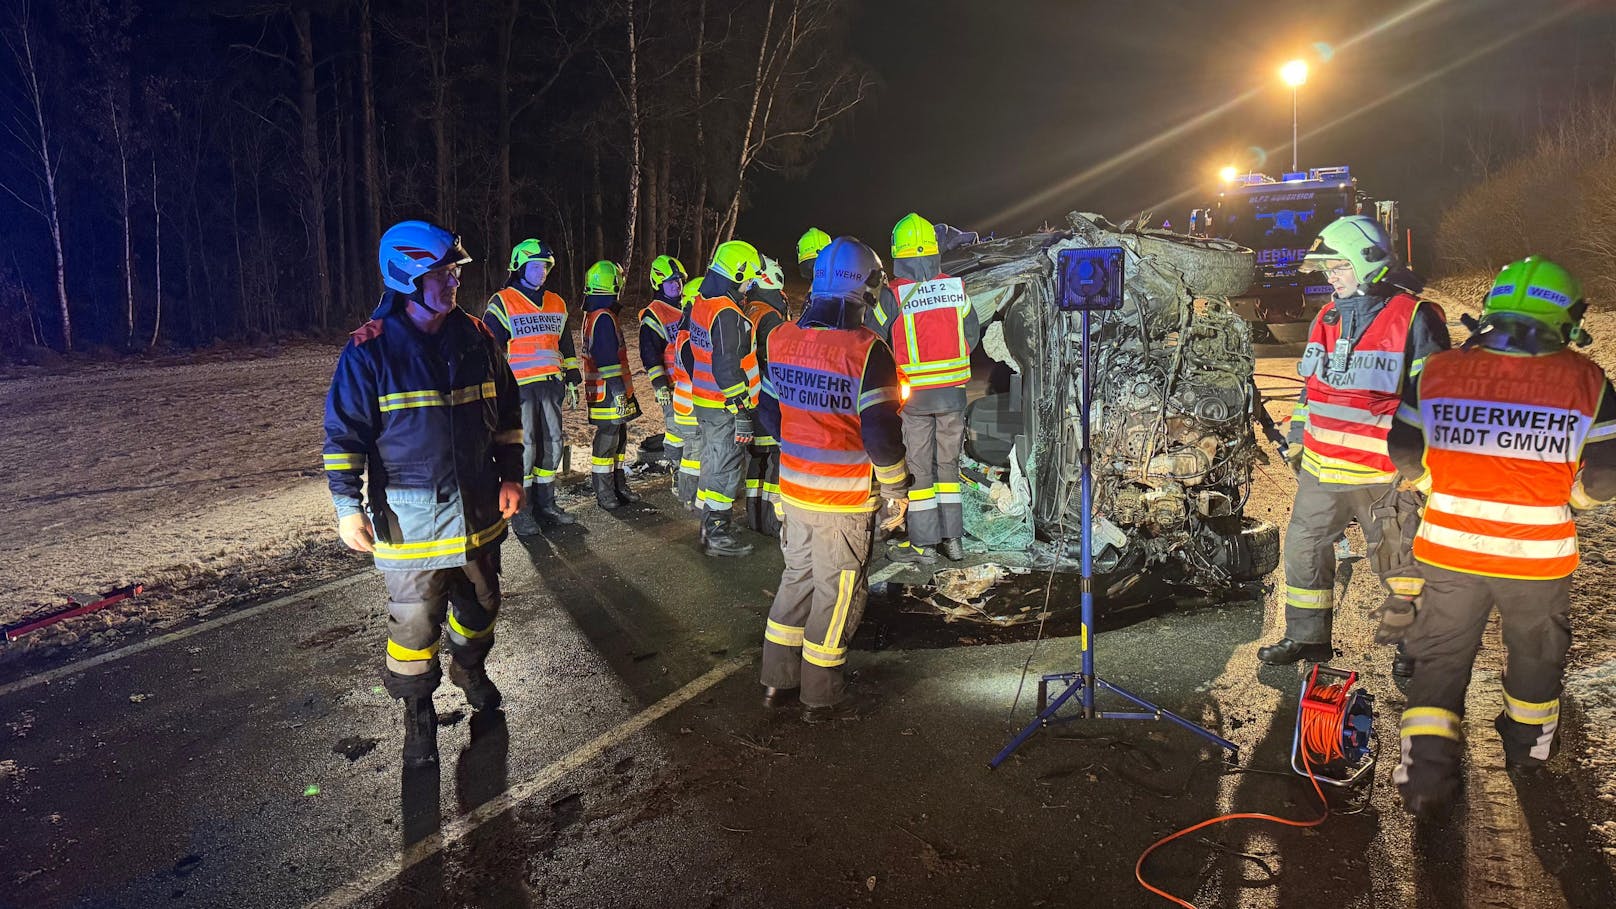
point(663, 317)
point(1344, 440)
point(534, 350)
point(928, 332)
point(704, 386)
point(596, 374)
point(817, 374)
point(1503, 443)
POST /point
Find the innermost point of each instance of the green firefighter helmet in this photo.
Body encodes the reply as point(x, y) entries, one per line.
point(603, 277)
point(913, 236)
point(1538, 289)
point(531, 250)
point(666, 268)
point(737, 260)
point(1358, 239)
point(691, 292)
point(812, 241)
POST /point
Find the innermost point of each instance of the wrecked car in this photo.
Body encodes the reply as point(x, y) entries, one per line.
point(1171, 421)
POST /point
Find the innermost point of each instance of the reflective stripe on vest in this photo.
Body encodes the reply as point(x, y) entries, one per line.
point(1503, 441)
point(816, 374)
point(928, 338)
point(596, 374)
point(704, 385)
point(683, 394)
point(1350, 408)
point(663, 318)
point(535, 346)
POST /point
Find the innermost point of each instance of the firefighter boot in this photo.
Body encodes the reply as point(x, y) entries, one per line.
point(1285, 652)
point(420, 732)
point(545, 507)
point(605, 495)
point(620, 486)
point(721, 542)
point(952, 549)
point(523, 523)
point(480, 691)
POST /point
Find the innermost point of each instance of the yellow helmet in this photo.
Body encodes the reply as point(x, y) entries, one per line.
point(737, 260)
point(811, 242)
point(913, 236)
point(665, 268)
point(691, 292)
point(603, 278)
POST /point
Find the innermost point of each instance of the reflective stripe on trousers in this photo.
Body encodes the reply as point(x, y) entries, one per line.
point(1454, 611)
point(820, 602)
point(421, 603)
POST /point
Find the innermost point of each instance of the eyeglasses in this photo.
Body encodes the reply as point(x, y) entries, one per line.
point(1344, 270)
point(448, 271)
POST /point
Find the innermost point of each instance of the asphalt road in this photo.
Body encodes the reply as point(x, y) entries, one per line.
point(254, 763)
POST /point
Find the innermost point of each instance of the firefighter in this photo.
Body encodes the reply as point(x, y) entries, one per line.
point(808, 246)
point(658, 323)
point(608, 386)
point(423, 400)
point(724, 382)
point(835, 412)
point(532, 324)
point(766, 309)
point(1364, 345)
point(1509, 434)
point(684, 410)
point(927, 319)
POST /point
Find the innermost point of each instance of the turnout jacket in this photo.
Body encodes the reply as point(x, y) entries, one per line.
point(537, 349)
point(435, 422)
point(1506, 443)
point(659, 322)
point(1361, 352)
point(608, 379)
point(834, 411)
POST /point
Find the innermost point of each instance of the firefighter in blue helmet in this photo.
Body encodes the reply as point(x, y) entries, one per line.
point(424, 403)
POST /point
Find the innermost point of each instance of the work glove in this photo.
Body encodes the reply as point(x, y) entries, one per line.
point(1396, 617)
point(664, 395)
point(1293, 457)
point(893, 511)
point(744, 433)
point(574, 395)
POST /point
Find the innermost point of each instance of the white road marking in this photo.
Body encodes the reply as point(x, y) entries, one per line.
point(461, 827)
point(75, 668)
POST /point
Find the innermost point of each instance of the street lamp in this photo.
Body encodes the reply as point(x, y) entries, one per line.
point(1228, 174)
point(1295, 74)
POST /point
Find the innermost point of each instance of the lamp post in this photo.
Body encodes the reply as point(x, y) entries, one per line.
point(1295, 74)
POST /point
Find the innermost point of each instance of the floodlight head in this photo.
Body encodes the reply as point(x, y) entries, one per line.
point(1294, 73)
point(1228, 174)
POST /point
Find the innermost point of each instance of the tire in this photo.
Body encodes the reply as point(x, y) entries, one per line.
point(1255, 551)
point(1212, 268)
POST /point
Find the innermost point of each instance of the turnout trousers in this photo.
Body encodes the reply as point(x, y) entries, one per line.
point(541, 431)
point(609, 450)
point(421, 603)
point(762, 488)
point(673, 440)
point(934, 442)
point(820, 603)
point(723, 460)
point(1318, 517)
point(689, 475)
point(1453, 613)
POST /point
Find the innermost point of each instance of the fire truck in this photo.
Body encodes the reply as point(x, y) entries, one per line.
point(1278, 219)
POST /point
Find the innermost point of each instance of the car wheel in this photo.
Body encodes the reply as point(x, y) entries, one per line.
point(1255, 551)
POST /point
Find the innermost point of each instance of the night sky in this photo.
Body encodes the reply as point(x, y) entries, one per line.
point(986, 109)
